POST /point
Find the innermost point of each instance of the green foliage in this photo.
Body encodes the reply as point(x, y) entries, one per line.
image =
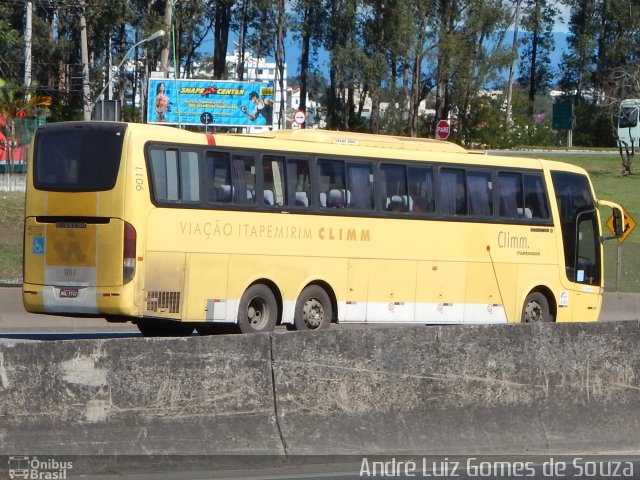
point(398, 51)
point(11, 225)
point(538, 21)
point(592, 128)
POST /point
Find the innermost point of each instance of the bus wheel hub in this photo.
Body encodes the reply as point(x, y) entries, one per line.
point(313, 312)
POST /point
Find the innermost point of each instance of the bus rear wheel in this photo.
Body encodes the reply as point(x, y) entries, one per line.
point(536, 309)
point(313, 309)
point(258, 310)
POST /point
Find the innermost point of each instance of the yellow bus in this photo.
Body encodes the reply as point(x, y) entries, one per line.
point(177, 231)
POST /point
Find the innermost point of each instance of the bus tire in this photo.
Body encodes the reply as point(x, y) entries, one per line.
point(258, 310)
point(313, 309)
point(536, 309)
point(164, 328)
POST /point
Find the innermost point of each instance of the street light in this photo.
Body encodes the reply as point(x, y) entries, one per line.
point(153, 36)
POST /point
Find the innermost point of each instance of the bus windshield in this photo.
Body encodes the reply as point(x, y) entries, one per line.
point(77, 157)
point(578, 221)
point(628, 117)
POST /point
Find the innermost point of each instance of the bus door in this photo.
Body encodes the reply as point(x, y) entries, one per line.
point(581, 245)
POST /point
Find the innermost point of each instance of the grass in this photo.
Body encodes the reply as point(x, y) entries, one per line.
point(604, 168)
point(11, 214)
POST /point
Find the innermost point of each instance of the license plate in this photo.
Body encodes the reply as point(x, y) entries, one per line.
point(68, 293)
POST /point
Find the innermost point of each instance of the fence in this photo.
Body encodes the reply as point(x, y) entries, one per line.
point(12, 182)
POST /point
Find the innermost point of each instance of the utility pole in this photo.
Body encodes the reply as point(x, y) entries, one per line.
point(514, 52)
point(27, 44)
point(86, 90)
point(164, 58)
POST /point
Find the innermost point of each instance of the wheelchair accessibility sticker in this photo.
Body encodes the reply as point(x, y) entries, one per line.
point(38, 246)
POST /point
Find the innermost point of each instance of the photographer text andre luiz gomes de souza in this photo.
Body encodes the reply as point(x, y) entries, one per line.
point(474, 467)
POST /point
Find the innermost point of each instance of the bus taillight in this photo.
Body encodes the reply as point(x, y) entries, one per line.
point(129, 253)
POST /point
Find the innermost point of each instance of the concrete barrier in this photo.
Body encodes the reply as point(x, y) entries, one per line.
point(424, 390)
point(460, 390)
point(619, 306)
point(138, 396)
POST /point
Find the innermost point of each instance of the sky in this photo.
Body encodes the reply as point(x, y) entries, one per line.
point(292, 46)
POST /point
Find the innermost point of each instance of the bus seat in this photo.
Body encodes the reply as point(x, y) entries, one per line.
point(395, 204)
point(302, 200)
point(323, 199)
point(527, 213)
point(269, 198)
point(224, 193)
point(335, 198)
point(408, 202)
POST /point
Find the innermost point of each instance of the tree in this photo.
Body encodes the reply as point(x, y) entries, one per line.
point(480, 55)
point(16, 101)
point(578, 62)
point(311, 24)
point(345, 59)
point(222, 14)
point(537, 21)
point(446, 17)
point(417, 87)
point(10, 41)
point(280, 59)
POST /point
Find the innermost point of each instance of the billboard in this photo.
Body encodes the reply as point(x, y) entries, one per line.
point(210, 102)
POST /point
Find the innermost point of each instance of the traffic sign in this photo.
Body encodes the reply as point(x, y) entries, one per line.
point(562, 118)
point(206, 118)
point(629, 225)
point(300, 117)
point(443, 129)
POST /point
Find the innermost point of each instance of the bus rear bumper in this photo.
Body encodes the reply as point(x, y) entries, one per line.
point(78, 300)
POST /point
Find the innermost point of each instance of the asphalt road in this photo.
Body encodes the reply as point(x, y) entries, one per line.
point(14, 320)
point(494, 467)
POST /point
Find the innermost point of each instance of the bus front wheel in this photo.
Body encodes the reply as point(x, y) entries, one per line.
point(536, 309)
point(313, 309)
point(258, 311)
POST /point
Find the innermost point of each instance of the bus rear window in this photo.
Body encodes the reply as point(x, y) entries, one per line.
point(79, 157)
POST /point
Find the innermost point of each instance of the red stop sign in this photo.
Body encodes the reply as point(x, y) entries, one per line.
point(443, 129)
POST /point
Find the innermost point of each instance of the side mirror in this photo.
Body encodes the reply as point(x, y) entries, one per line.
point(618, 222)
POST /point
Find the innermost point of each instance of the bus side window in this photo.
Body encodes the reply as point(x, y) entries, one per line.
point(360, 182)
point(298, 182)
point(243, 179)
point(189, 177)
point(453, 192)
point(333, 172)
point(393, 189)
point(480, 188)
point(421, 193)
point(218, 177)
point(273, 194)
point(164, 168)
point(535, 198)
point(510, 195)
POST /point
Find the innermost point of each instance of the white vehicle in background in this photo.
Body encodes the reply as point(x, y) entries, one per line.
point(628, 132)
